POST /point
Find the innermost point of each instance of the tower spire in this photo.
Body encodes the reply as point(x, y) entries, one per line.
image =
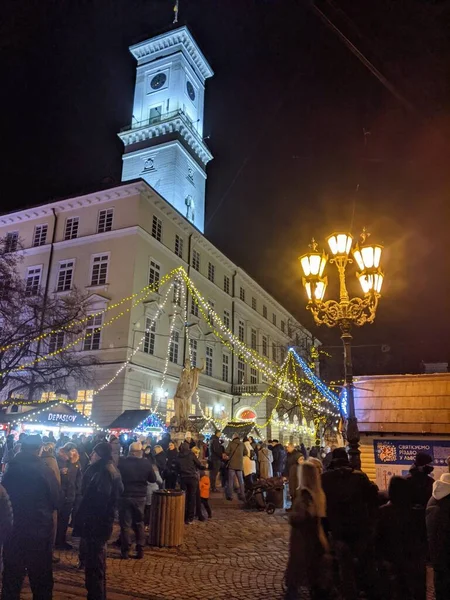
point(176, 8)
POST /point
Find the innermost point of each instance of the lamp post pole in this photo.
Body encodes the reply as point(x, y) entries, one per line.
point(347, 311)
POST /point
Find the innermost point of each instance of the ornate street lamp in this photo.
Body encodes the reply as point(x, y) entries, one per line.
point(348, 311)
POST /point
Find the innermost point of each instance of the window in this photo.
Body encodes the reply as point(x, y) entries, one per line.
point(283, 326)
point(65, 275)
point(145, 400)
point(99, 269)
point(226, 284)
point(71, 231)
point(105, 220)
point(209, 411)
point(274, 352)
point(170, 410)
point(241, 331)
point(254, 339)
point(56, 341)
point(176, 293)
point(48, 396)
point(265, 312)
point(40, 235)
point(155, 114)
point(242, 294)
point(225, 366)
point(174, 346)
point(254, 303)
point(193, 409)
point(274, 318)
point(264, 345)
point(150, 336)
point(194, 308)
point(179, 246)
point(154, 273)
point(85, 399)
point(157, 228)
point(209, 361)
point(11, 241)
point(226, 318)
point(211, 272)
point(33, 280)
point(282, 354)
point(196, 260)
point(193, 345)
point(93, 334)
point(241, 372)
point(210, 310)
point(253, 376)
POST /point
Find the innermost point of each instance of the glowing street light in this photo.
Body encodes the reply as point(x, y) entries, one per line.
point(347, 311)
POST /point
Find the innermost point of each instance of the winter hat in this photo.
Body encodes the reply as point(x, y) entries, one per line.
point(422, 459)
point(31, 443)
point(340, 453)
point(441, 488)
point(104, 450)
point(188, 435)
point(69, 446)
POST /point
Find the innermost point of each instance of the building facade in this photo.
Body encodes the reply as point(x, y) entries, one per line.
point(112, 243)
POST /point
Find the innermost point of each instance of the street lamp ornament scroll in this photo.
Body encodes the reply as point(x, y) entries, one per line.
point(345, 312)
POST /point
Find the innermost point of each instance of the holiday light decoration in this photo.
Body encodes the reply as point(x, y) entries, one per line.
point(145, 290)
point(33, 418)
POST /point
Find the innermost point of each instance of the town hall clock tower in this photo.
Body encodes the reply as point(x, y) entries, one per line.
point(164, 144)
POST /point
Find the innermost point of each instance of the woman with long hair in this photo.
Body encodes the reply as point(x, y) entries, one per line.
point(309, 564)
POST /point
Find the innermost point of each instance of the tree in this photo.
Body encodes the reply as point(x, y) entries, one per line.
point(36, 323)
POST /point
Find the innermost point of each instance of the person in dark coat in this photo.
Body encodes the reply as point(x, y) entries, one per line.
point(34, 494)
point(398, 544)
point(101, 488)
point(290, 469)
point(235, 452)
point(136, 473)
point(420, 482)
point(115, 447)
point(171, 473)
point(188, 467)
point(215, 459)
point(438, 529)
point(160, 459)
point(6, 515)
point(165, 441)
point(70, 472)
point(351, 511)
point(309, 563)
point(279, 458)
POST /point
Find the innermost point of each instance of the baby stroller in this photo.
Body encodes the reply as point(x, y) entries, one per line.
point(256, 495)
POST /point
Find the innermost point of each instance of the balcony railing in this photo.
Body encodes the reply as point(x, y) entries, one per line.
point(251, 388)
point(160, 120)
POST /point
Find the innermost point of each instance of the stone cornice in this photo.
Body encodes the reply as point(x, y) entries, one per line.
point(176, 124)
point(179, 38)
point(70, 204)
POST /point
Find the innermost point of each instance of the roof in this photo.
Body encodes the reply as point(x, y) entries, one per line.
point(242, 430)
point(130, 419)
point(55, 412)
point(403, 403)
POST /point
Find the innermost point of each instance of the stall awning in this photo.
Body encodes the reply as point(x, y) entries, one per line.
point(50, 414)
point(242, 430)
point(129, 420)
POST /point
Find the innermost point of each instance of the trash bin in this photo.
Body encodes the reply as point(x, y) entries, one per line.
point(167, 519)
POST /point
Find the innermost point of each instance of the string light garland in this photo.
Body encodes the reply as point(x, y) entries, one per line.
point(318, 384)
point(91, 424)
point(145, 290)
point(136, 349)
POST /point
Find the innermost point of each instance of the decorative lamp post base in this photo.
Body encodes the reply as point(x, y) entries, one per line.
point(352, 434)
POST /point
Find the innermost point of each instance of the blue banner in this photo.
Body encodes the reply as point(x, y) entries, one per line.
point(403, 452)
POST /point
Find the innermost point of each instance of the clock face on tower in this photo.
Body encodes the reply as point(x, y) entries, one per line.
point(190, 90)
point(158, 81)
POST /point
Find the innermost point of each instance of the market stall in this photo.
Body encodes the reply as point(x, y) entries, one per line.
point(137, 422)
point(56, 416)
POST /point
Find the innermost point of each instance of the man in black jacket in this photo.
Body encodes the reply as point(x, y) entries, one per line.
point(70, 471)
point(136, 473)
point(215, 459)
point(279, 458)
point(34, 494)
point(101, 488)
point(188, 467)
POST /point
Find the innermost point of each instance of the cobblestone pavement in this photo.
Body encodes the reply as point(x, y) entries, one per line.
point(238, 554)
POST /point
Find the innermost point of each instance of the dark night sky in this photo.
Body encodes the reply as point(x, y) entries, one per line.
point(286, 111)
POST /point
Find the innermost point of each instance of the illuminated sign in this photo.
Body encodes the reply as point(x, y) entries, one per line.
point(61, 418)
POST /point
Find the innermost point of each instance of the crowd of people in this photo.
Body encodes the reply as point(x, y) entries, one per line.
point(347, 538)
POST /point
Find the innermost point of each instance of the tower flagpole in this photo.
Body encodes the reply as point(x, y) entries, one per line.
point(176, 8)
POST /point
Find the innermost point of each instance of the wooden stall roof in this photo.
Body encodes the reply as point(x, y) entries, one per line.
point(403, 403)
